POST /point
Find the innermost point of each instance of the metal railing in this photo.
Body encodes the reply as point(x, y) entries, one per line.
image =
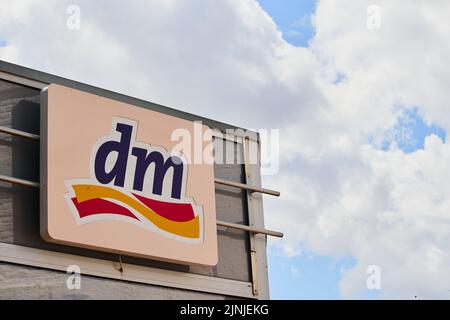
point(33, 184)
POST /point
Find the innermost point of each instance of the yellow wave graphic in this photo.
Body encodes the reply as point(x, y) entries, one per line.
point(188, 229)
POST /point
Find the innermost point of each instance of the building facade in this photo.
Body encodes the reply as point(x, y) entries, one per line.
point(32, 268)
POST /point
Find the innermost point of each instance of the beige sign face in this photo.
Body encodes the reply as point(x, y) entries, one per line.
point(111, 180)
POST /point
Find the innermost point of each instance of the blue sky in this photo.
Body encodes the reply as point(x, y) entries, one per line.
point(310, 276)
point(411, 130)
point(307, 276)
point(292, 18)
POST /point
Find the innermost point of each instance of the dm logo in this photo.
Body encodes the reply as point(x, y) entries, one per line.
point(138, 183)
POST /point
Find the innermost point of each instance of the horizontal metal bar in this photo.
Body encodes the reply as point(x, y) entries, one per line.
point(226, 136)
point(246, 187)
point(250, 229)
point(36, 137)
point(28, 183)
point(19, 133)
point(22, 182)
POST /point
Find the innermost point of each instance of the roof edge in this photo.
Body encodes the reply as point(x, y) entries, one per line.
point(47, 78)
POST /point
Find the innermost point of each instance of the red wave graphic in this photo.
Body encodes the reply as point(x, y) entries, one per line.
point(179, 212)
point(176, 218)
point(101, 206)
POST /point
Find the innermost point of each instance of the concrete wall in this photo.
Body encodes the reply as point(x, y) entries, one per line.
point(21, 282)
point(19, 221)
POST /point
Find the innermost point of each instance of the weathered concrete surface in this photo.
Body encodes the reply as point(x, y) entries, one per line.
point(21, 282)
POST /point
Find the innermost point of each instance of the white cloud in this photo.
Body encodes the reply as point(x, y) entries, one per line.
point(204, 57)
point(226, 60)
point(383, 208)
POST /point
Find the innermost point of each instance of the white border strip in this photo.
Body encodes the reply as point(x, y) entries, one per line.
point(103, 268)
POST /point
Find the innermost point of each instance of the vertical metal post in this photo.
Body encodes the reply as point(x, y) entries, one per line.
point(255, 216)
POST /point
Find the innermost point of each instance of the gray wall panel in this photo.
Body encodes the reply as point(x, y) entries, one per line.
point(19, 218)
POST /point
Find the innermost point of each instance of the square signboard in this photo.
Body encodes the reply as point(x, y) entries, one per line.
point(112, 180)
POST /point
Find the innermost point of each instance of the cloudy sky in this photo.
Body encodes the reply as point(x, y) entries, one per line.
point(358, 89)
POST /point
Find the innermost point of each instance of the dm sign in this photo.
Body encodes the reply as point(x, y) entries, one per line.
point(111, 181)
